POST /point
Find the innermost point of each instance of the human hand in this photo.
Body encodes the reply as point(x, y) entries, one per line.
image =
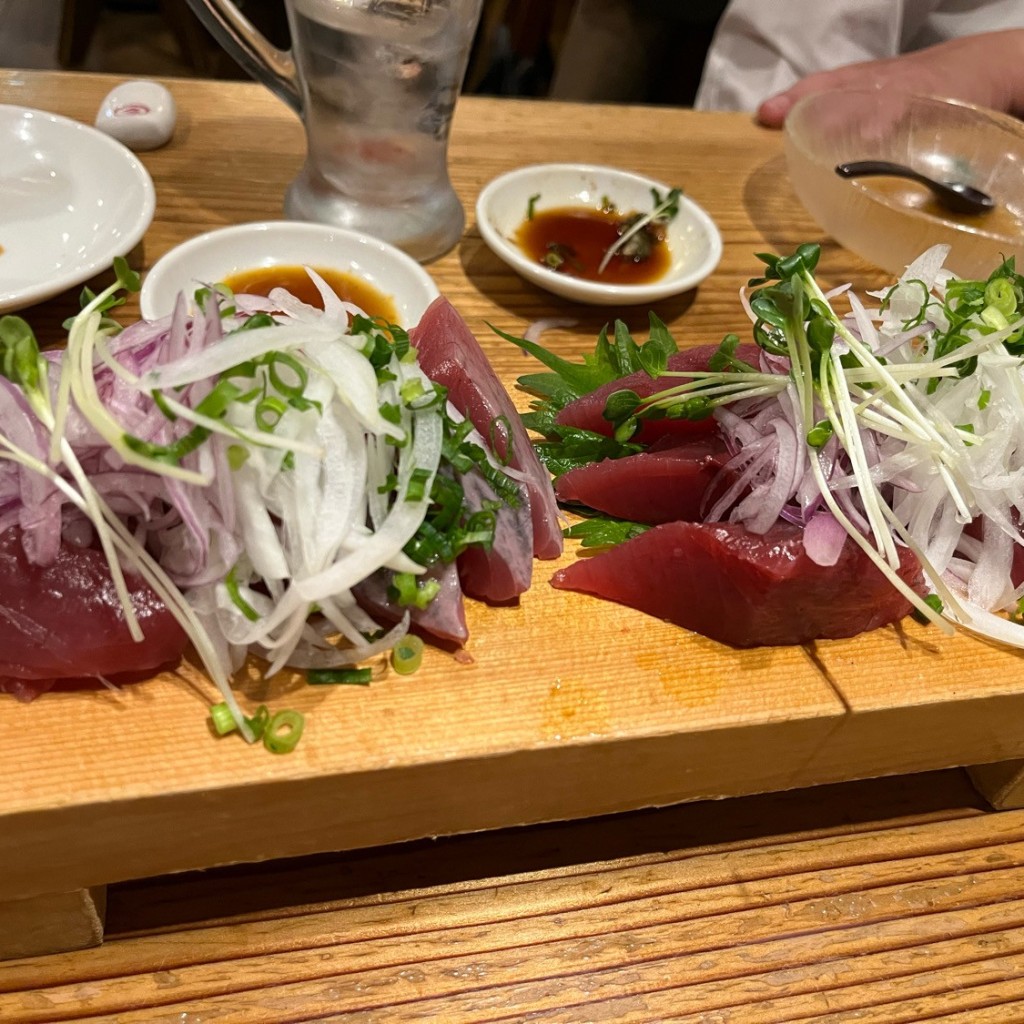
point(985, 69)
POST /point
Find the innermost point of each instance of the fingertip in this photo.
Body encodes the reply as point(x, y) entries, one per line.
point(772, 113)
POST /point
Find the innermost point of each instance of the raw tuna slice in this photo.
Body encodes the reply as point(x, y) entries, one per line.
point(64, 621)
point(662, 485)
point(743, 589)
point(451, 355)
point(502, 572)
point(444, 617)
point(587, 412)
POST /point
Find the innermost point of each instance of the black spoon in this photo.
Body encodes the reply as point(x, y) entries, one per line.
point(954, 195)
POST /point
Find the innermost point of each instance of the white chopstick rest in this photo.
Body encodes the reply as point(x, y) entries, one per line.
point(139, 114)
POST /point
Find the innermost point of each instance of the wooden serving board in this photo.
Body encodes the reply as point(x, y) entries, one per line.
point(561, 706)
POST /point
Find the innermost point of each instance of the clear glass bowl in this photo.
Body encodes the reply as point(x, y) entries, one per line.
point(890, 221)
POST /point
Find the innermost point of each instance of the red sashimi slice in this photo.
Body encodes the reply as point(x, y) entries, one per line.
point(587, 412)
point(741, 588)
point(661, 485)
point(450, 355)
point(64, 621)
point(444, 617)
point(503, 571)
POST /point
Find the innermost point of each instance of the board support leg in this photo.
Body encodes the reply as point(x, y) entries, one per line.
point(53, 922)
point(1001, 784)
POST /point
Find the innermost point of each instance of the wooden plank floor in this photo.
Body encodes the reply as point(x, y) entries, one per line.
point(880, 902)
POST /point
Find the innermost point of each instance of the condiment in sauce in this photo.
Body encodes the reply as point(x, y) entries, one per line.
point(262, 280)
point(574, 239)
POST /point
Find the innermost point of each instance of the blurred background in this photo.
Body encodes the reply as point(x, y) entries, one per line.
point(563, 49)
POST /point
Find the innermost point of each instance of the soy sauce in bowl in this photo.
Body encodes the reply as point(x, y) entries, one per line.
point(573, 240)
point(294, 279)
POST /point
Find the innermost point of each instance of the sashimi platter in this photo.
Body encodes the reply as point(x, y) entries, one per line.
point(320, 490)
point(268, 532)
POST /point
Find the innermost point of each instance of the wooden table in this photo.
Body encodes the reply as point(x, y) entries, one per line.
point(632, 714)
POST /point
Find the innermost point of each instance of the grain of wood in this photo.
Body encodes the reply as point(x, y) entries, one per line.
point(897, 921)
point(1002, 784)
point(51, 923)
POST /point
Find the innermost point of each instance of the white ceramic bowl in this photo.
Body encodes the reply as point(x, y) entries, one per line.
point(71, 199)
point(693, 239)
point(210, 258)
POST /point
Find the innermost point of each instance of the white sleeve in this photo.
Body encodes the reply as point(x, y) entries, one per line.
point(762, 47)
point(950, 19)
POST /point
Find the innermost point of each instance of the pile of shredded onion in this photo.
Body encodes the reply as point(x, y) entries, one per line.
point(252, 474)
point(919, 449)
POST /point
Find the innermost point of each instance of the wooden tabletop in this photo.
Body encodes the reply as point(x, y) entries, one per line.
point(891, 902)
point(881, 903)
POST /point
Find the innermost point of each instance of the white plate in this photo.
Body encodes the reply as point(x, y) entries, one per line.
point(212, 257)
point(71, 199)
point(693, 238)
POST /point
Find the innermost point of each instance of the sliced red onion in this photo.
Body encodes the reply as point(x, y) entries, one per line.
point(537, 328)
point(824, 537)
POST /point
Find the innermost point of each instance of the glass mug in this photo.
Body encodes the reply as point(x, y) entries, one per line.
point(375, 83)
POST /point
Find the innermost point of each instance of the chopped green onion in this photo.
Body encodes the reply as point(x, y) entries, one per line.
point(446, 502)
point(300, 404)
point(429, 545)
point(247, 370)
point(223, 721)
point(934, 602)
point(268, 413)
point(390, 412)
point(161, 404)
point(256, 321)
point(283, 732)
point(995, 318)
point(231, 585)
point(417, 487)
point(259, 721)
point(999, 294)
point(531, 205)
point(409, 591)
point(407, 655)
point(214, 406)
point(411, 390)
point(238, 455)
point(287, 388)
point(339, 676)
point(401, 344)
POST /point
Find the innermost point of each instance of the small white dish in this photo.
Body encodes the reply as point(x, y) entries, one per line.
point(693, 239)
point(71, 199)
point(210, 258)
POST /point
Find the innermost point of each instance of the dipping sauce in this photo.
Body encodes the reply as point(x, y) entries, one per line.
point(573, 240)
point(262, 280)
